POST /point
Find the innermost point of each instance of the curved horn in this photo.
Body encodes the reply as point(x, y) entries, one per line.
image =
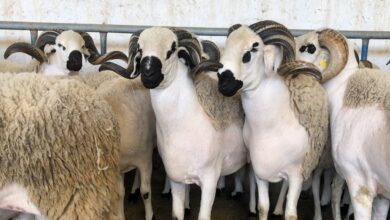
point(337, 47)
point(115, 68)
point(272, 32)
point(95, 58)
point(48, 37)
point(211, 49)
point(299, 67)
point(233, 28)
point(27, 49)
point(207, 65)
point(191, 43)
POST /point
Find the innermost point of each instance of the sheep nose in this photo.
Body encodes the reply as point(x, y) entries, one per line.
point(150, 66)
point(228, 85)
point(75, 61)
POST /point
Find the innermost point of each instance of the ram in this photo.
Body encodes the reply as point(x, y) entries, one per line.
point(199, 132)
point(59, 149)
point(356, 95)
point(286, 117)
point(58, 53)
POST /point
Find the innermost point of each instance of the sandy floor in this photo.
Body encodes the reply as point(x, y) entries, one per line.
point(225, 208)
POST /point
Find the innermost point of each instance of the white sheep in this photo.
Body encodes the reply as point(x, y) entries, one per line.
point(199, 132)
point(286, 117)
point(358, 144)
point(59, 149)
point(59, 53)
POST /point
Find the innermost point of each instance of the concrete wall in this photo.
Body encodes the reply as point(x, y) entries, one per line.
point(347, 15)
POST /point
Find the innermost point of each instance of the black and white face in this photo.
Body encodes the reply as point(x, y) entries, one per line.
point(307, 47)
point(157, 52)
point(242, 61)
point(68, 51)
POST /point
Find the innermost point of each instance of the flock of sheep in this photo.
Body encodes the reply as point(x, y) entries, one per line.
point(294, 108)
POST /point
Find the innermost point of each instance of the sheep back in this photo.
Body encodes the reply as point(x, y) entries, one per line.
point(309, 102)
point(95, 79)
point(222, 111)
point(368, 87)
point(7, 66)
point(60, 141)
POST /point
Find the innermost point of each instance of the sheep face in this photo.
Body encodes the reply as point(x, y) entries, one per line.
point(68, 51)
point(157, 48)
point(242, 60)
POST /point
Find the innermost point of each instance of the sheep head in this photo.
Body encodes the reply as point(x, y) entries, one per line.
point(250, 52)
point(65, 49)
point(153, 53)
point(326, 44)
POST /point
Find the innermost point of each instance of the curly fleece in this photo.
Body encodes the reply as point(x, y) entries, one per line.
point(310, 105)
point(223, 111)
point(59, 140)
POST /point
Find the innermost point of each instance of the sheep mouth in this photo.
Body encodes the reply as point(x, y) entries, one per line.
point(152, 81)
point(228, 85)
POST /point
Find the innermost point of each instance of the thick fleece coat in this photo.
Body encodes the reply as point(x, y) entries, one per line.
point(7, 66)
point(368, 87)
point(310, 105)
point(222, 111)
point(59, 140)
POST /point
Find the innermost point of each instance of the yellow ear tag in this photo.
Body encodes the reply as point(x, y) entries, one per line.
point(323, 63)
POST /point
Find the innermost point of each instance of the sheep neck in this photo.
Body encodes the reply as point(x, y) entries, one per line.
point(177, 102)
point(266, 103)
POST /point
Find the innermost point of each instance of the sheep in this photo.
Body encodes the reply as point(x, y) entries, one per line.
point(285, 136)
point(199, 132)
point(352, 92)
point(60, 53)
point(59, 149)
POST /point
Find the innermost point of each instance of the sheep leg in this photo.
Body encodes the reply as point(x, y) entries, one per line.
point(134, 195)
point(252, 192)
point(263, 202)
point(362, 197)
point(327, 190)
point(167, 188)
point(187, 201)
point(295, 185)
point(337, 190)
point(208, 186)
point(145, 171)
point(282, 196)
point(238, 188)
point(380, 208)
point(221, 185)
point(178, 199)
point(316, 193)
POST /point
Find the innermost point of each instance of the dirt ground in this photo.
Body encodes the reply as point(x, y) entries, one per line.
point(225, 208)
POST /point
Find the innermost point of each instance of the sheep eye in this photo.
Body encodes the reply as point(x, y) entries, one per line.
point(83, 47)
point(169, 53)
point(173, 47)
point(311, 48)
point(247, 57)
point(302, 49)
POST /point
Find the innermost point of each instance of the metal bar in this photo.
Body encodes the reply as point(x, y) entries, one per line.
point(132, 28)
point(33, 36)
point(103, 42)
point(364, 54)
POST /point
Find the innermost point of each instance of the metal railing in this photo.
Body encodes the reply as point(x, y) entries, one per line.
point(103, 29)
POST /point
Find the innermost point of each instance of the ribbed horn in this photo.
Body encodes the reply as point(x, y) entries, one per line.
point(211, 49)
point(95, 57)
point(48, 37)
point(233, 28)
point(115, 68)
point(207, 65)
point(274, 33)
point(299, 67)
point(337, 46)
point(27, 49)
point(191, 43)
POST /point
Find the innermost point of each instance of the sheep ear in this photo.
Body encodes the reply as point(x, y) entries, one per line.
point(271, 59)
point(185, 56)
point(49, 49)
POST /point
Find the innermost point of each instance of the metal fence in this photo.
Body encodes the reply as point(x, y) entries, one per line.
point(103, 29)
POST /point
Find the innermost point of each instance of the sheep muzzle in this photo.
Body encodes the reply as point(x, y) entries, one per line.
point(228, 85)
point(151, 74)
point(75, 61)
